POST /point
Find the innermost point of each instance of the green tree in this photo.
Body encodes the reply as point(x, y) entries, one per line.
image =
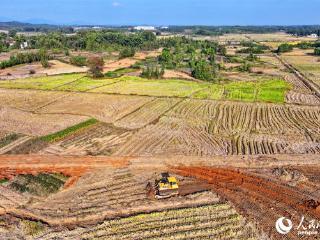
point(166, 58)
point(148, 36)
point(203, 70)
point(317, 51)
point(12, 33)
point(285, 47)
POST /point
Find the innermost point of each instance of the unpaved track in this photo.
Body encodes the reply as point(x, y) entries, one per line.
point(11, 165)
point(307, 82)
point(38, 163)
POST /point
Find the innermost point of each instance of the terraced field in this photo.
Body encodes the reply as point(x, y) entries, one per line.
point(218, 221)
point(10, 198)
point(100, 144)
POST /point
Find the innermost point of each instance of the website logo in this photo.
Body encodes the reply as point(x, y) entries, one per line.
point(284, 225)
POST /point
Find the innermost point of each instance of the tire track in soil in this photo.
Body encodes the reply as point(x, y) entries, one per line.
point(306, 81)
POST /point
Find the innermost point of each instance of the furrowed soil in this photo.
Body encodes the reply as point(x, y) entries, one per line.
point(262, 199)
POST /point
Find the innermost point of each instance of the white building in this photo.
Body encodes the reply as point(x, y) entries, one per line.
point(24, 45)
point(144, 28)
point(313, 35)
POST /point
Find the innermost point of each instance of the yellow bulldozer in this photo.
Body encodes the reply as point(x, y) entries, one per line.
point(166, 187)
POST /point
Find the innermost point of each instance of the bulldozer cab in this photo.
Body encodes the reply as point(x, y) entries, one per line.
point(167, 186)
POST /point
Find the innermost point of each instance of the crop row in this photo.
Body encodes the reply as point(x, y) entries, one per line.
point(147, 114)
point(215, 221)
point(220, 128)
point(109, 193)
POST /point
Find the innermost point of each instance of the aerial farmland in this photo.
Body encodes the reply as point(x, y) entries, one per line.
point(88, 133)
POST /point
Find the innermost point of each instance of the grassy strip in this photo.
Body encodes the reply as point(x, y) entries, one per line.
point(64, 133)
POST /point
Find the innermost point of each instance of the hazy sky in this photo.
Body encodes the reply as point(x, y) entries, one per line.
point(163, 12)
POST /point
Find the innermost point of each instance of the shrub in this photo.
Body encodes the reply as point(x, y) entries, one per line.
point(32, 228)
point(45, 63)
point(127, 52)
point(44, 58)
point(285, 47)
point(258, 49)
point(78, 61)
point(245, 67)
point(66, 52)
point(151, 72)
point(317, 51)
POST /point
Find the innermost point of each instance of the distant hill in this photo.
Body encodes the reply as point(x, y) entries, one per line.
point(29, 27)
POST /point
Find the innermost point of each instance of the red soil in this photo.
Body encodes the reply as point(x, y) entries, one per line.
point(12, 165)
point(264, 200)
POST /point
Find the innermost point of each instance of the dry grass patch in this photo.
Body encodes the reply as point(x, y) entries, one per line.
point(35, 124)
point(27, 99)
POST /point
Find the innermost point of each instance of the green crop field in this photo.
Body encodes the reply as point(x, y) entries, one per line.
point(41, 83)
point(262, 89)
point(141, 86)
point(272, 90)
